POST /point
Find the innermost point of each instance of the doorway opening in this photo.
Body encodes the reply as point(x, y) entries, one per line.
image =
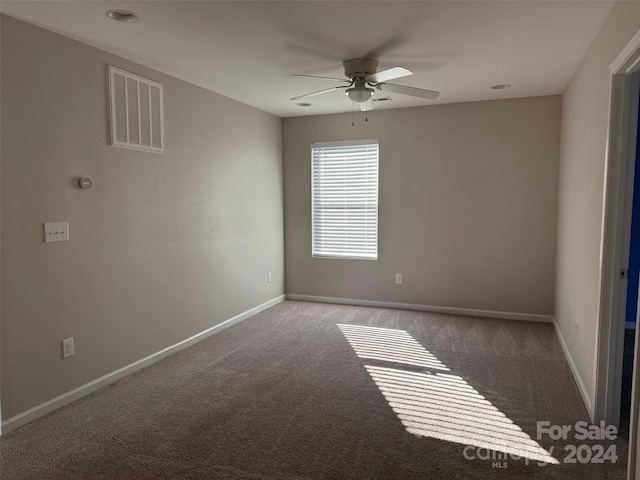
point(615, 243)
point(632, 274)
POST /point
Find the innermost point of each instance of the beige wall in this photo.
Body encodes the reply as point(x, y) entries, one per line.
point(585, 112)
point(468, 197)
point(163, 246)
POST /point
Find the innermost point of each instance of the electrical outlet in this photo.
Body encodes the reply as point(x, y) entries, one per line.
point(269, 277)
point(68, 349)
point(398, 279)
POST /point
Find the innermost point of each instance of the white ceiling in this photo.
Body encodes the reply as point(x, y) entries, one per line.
point(250, 50)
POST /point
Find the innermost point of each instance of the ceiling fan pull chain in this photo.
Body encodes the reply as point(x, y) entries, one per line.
point(352, 115)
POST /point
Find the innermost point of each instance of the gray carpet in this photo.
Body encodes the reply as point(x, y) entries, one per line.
point(317, 391)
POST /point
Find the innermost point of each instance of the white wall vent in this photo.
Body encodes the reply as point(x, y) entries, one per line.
point(137, 116)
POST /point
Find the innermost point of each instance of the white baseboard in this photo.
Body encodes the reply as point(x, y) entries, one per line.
point(424, 308)
point(38, 411)
point(574, 371)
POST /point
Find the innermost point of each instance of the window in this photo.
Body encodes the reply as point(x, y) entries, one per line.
point(344, 183)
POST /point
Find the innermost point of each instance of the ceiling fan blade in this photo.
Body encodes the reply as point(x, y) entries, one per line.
point(388, 74)
point(367, 106)
point(325, 78)
point(320, 92)
point(414, 92)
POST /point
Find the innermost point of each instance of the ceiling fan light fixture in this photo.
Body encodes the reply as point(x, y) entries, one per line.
point(359, 95)
point(125, 16)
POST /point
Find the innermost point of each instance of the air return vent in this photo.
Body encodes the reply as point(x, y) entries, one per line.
point(137, 118)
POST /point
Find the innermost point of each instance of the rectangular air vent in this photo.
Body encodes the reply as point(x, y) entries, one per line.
point(137, 117)
point(383, 99)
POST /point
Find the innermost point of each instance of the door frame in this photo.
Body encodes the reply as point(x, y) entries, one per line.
point(624, 87)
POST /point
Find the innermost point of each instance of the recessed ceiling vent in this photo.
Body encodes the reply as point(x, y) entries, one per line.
point(383, 99)
point(123, 16)
point(137, 118)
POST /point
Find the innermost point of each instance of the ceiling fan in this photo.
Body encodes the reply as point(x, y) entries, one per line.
point(362, 79)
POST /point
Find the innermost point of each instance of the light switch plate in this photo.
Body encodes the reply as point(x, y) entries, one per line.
point(56, 232)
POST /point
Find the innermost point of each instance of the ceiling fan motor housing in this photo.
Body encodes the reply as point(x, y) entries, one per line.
point(360, 67)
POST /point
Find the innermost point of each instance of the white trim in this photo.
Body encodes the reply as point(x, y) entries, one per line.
point(627, 60)
point(574, 371)
point(532, 317)
point(616, 218)
point(27, 416)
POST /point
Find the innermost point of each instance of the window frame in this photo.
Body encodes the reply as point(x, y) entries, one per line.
point(316, 223)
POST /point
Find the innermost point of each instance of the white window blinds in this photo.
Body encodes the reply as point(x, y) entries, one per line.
point(345, 199)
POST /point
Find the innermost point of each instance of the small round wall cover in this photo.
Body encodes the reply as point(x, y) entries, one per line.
point(86, 183)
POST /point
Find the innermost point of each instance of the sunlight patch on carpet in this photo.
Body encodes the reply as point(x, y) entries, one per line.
point(433, 403)
point(390, 345)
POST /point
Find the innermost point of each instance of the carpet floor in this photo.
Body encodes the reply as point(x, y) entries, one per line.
point(319, 391)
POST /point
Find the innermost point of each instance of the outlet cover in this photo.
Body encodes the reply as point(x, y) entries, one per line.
point(398, 279)
point(68, 349)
